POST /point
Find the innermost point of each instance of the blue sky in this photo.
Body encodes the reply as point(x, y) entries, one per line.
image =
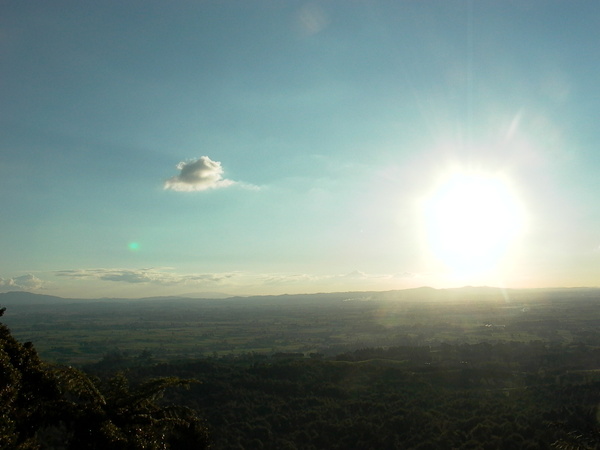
point(267, 147)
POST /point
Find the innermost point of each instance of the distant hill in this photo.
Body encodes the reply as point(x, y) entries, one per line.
point(28, 298)
point(422, 294)
point(208, 295)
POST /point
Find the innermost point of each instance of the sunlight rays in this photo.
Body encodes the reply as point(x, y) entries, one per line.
point(471, 222)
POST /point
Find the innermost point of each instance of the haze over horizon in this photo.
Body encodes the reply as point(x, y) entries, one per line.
point(160, 148)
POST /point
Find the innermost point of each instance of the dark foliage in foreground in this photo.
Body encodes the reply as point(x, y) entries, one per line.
point(496, 395)
point(504, 396)
point(47, 407)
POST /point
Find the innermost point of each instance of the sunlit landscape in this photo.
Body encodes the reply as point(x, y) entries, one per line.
point(299, 225)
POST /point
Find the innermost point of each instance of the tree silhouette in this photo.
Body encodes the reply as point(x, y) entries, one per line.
point(61, 407)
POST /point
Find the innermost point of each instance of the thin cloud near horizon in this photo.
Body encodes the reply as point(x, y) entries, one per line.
point(150, 275)
point(168, 276)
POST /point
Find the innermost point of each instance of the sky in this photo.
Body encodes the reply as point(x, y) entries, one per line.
point(182, 147)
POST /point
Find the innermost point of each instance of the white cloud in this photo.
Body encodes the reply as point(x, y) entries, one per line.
point(24, 282)
point(198, 175)
point(150, 275)
point(311, 19)
point(286, 279)
point(358, 275)
point(338, 280)
point(237, 283)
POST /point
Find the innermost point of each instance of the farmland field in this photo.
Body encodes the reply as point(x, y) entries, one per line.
point(82, 331)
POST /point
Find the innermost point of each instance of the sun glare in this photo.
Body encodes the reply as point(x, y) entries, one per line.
point(471, 222)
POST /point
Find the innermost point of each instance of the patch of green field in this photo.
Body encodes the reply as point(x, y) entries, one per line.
point(85, 332)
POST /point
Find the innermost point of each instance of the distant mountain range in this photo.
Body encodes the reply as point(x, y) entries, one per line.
point(422, 294)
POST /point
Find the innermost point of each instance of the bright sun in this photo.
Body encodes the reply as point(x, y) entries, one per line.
point(471, 222)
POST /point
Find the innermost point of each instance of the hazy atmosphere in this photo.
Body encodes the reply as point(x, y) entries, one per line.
point(268, 147)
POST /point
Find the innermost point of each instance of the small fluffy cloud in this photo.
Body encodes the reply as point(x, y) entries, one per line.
point(198, 175)
point(24, 282)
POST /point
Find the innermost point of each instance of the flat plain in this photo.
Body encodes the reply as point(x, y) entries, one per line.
point(78, 331)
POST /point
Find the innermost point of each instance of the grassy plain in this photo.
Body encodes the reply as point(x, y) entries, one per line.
point(83, 331)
